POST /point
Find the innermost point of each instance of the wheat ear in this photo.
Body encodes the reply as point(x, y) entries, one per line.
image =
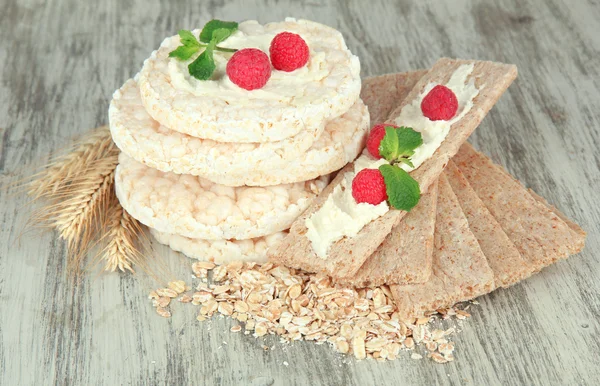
point(122, 233)
point(63, 169)
point(82, 206)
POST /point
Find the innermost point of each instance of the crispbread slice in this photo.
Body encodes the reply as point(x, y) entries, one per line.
point(405, 255)
point(578, 233)
point(539, 234)
point(348, 254)
point(383, 93)
point(460, 270)
point(503, 257)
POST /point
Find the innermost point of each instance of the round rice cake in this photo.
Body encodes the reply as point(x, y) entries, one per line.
point(290, 102)
point(220, 251)
point(234, 164)
point(341, 143)
point(195, 207)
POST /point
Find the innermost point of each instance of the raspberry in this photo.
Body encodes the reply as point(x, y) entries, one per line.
point(375, 136)
point(288, 51)
point(368, 186)
point(440, 104)
point(249, 68)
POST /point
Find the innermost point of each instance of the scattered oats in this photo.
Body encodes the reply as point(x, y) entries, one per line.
point(424, 320)
point(225, 309)
point(295, 291)
point(266, 348)
point(201, 297)
point(437, 357)
point(177, 286)
point(166, 292)
point(342, 346)
point(200, 269)
point(446, 348)
point(163, 301)
point(358, 345)
point(221, 289)
point(241, 306)
point(185, 298)
point(220, 273)
point(260, 329)
point(296, 305)
point(437, 334)
point(163, 312)
point(201, 318)
point(419, 333)
point(208, 265)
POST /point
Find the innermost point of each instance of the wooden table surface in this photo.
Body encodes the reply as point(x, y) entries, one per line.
point(60, 61)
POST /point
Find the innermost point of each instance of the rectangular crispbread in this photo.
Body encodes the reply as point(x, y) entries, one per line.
point(578, 233)
point(460, 270)
point(405, 255)
point(503, 257)
point(538, 233)
point(348, 254)
point(384, 93)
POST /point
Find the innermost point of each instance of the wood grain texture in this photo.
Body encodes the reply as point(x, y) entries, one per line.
point(60, 61)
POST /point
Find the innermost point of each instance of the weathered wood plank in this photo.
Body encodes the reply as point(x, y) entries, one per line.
point(60, 62)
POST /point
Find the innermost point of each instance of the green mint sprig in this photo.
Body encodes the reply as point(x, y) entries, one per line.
point(213, 33)
point(397, 146)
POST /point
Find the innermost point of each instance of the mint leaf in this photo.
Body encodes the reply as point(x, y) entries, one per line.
point(187, 38)
point(183, 52)
point(203, 67)
point(220, 34)
point(399, 143)
point(206, 36)
point(388, 148)
point(408, 140)
point(402, 190)
point(189, 46)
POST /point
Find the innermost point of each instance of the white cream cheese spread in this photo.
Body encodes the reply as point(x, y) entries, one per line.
point(340, 216)
point(282, 85)
point(434, 132)
point(301, 100)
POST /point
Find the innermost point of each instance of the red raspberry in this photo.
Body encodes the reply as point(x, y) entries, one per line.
point(249, 68)
point(375, 136)
point(288, 51)
point(368, 186)
point(440, 104)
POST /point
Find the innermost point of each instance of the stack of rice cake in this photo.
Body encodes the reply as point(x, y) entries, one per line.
point(476, 229)
point(221, 176)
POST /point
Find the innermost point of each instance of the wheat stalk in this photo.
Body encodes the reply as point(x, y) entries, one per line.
point(89, 195)
point(62, 169)
point(82, 206)
point(123, 233)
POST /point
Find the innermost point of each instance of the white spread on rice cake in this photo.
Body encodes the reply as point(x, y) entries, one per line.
point(220, 251)
point(234, 164)
point(290, 102)
point(197, 208)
